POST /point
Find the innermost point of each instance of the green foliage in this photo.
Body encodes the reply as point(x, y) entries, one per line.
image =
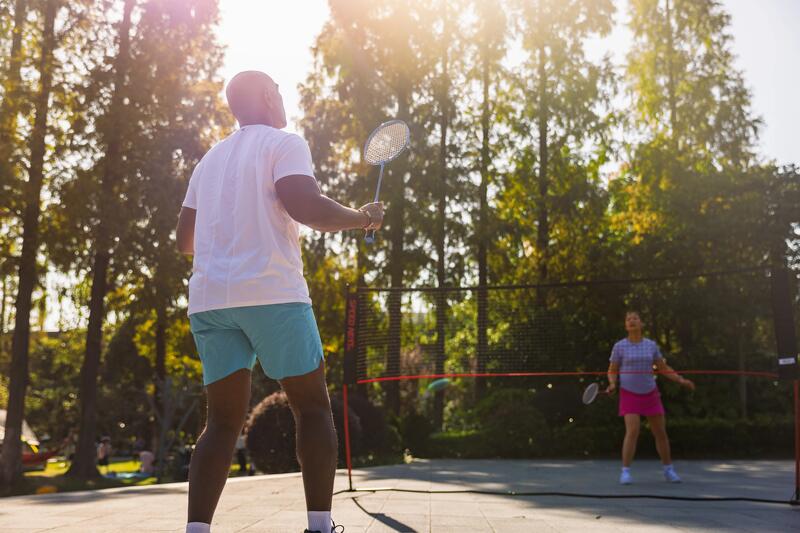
point(581, 181)
point(691, 438)
point(378, 437)
point(510, 424)
point(415, 430)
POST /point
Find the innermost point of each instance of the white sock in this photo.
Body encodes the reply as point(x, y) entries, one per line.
point(198, 527)
point(626, 469)
point(320, 521)
point(668, 467)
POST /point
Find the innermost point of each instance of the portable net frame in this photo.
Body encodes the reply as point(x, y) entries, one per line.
point(734, 324)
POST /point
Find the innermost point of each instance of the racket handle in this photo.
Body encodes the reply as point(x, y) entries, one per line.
point(370, 236)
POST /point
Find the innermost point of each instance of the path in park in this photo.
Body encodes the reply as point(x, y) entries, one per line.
point(275, 503)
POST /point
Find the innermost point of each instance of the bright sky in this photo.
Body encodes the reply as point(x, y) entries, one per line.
point(765, 42)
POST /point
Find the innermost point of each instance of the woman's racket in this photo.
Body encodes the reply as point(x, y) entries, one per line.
point(384, 144)
point(590, 393)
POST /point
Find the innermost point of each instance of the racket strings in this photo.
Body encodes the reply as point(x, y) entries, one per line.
point(386, 143)
point(590, 393)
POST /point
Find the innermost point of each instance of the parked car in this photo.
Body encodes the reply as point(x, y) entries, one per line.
point(33, 458)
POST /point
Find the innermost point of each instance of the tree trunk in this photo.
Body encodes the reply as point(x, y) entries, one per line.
point(83, 467)
point(160, 393)
point(441, 259)
point(742, 368)
point(397, 268)
point(10, 105)
point(673, 107)
point(10, 461)
point(543, 226)
point(483, 221)
point(3, 306)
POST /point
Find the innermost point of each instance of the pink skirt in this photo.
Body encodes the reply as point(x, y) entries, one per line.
point(648, 404)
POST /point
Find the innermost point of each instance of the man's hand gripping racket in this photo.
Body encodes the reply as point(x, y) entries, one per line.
point(384, 144)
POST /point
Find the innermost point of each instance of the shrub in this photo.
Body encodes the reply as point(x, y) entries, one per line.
point(415, 430)
point(691, 438)
point(271, 434)
point(470, 444)
point(510, 425)
point(377, 435)
point(354, 426)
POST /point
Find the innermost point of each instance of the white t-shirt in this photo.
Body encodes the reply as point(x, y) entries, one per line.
point(246, 246)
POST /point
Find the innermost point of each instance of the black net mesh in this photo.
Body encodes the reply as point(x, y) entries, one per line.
point(711, 323)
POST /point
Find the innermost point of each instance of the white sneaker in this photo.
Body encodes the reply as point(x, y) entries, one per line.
point(671, 476)
point(625, 478)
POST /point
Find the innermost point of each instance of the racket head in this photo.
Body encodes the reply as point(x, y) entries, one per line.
point(386, 142)
point(590, 393)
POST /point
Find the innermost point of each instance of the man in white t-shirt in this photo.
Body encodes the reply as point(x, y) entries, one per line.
point(248, 298)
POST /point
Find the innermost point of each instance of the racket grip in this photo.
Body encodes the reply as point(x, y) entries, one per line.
point(369, 238)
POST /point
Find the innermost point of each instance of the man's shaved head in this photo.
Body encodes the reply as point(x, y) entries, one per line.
point(253, 98)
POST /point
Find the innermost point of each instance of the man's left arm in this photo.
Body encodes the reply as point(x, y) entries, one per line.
point(184, 233)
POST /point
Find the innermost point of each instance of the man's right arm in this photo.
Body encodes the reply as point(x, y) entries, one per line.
point(305, 203)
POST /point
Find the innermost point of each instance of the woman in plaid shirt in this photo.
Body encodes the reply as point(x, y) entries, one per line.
point(632, 361)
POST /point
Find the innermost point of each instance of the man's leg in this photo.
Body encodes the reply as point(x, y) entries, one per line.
point(228, 402)
point(316, 436)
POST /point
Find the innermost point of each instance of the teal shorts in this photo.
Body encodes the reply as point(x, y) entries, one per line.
point(284, 338)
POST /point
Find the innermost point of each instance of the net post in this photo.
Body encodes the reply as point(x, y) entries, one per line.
point(783, 322)
point(347, 440)
point(786, 343)
point(796, 497)
point(350, 336)
point(350, 348)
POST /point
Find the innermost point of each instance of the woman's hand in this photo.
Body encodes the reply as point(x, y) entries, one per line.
point(612, 387)
point(688, 383)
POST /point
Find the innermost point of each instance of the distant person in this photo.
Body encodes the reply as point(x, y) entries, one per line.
point(632, 361)
point(104, 451)
point(138, 445)
point(186, 460)
point(147, 461)
point(68, 445)
point(241, 453)
point(248, 298)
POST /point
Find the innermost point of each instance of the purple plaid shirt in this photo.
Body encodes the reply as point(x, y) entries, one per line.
point(637, 357)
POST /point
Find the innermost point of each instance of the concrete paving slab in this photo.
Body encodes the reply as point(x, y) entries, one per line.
point(274, 504)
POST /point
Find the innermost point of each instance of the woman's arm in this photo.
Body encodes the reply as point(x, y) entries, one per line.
point(613, 374)
point(669, 373)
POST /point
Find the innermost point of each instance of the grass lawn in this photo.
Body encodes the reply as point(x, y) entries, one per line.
point(60, 467)
point(53, 478)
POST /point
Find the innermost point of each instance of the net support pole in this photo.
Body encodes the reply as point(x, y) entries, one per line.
point(782, 288)
point(796, 497)
point(782, 285)
point(347, 440)
point(350, 349)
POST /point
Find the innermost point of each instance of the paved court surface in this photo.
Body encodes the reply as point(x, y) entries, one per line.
point(275, 503)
